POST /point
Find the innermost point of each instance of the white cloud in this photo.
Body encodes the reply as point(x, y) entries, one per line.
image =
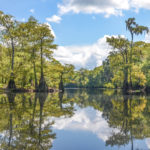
point(2, 28)
point(107, 7)
point(147, 37)
point(91, 120)
point(83, 120)
point(50, 27)
point(88, 56)
point(140, 4)
point(148, 142)
point(54, 18)
point(32, 10)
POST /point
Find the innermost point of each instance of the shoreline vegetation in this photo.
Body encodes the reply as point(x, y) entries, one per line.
point(6, 90)
point(127, 66)
point(52, 90)
point(26, 57)
point(27, 63)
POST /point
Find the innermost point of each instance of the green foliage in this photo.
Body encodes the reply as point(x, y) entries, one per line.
point(26, 54)
point(109, 85)
point(127, 66)
point(27, 119)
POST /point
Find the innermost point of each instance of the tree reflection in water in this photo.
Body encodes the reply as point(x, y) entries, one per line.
point(26, 119)
point(129, 114)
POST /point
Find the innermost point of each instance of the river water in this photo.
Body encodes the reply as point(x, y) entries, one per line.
point(79, 119)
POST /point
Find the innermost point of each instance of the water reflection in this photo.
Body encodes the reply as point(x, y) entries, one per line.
point(23, 122)
point(37, 121)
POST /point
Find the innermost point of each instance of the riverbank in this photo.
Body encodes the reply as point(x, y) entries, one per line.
point(6, 90)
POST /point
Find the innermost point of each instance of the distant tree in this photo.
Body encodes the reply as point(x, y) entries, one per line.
point(65, 72)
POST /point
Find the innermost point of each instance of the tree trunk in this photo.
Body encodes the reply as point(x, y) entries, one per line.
point(126, 73)
point(13, 54)
point(41, 60)
point(11, 83)
point(61, 86)
point(131, 46)
point(42, 84)
point(125, 82)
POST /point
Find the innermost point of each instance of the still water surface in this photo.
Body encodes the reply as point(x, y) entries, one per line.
point(75, 120)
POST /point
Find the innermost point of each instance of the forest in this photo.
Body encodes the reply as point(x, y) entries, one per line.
point(27, 62)
point(126, 67)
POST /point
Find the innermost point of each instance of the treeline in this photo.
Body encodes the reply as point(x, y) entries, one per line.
point(26, 56)
point(27, 62)
point(127, 66)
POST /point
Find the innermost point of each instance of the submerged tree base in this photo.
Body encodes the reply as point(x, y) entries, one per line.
point(11, 84)
point(20, 90)
point(42, 85)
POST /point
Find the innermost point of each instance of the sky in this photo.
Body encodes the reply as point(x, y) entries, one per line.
point(81, 26)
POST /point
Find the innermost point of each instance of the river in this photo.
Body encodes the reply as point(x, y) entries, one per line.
point(79, 119)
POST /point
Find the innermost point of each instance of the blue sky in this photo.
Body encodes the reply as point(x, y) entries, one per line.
point(81, 26)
